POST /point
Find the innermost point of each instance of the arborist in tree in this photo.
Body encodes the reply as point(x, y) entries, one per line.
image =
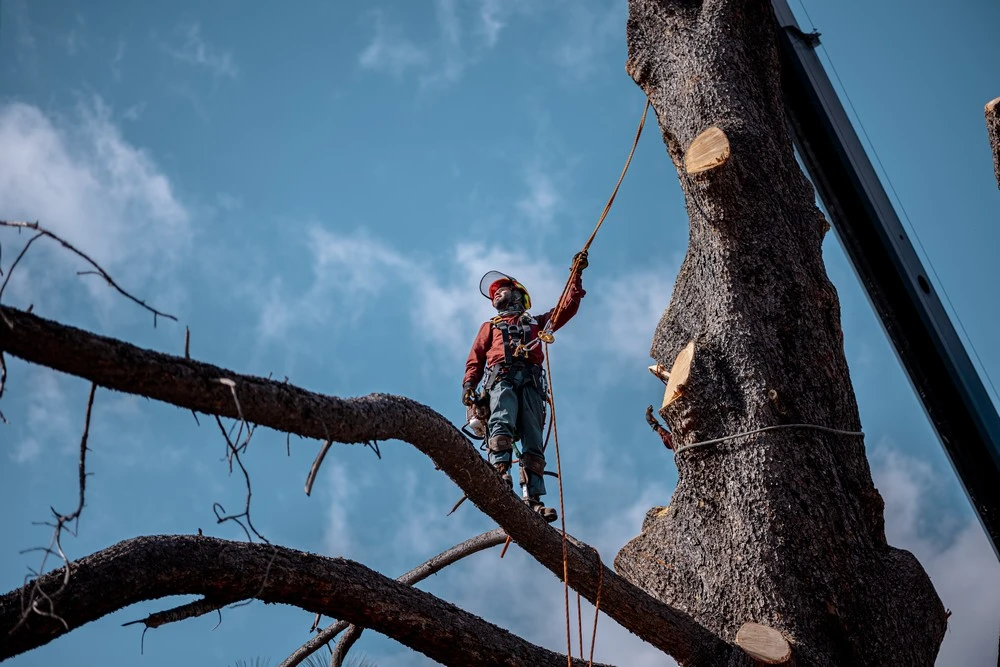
point(507, 355)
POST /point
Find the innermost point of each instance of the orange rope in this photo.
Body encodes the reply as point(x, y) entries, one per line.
point(600, 221)
point(597, 605)
point(554, 429)
point(562, 516)
point(579, 623)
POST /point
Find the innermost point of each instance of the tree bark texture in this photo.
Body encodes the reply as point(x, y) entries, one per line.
point(147, 568)
point(194, 385)
point(784, 528)
point(993, 132)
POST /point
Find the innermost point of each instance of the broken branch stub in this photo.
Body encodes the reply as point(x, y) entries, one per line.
point(679, 374)
point(709, 150)
point(764, 644)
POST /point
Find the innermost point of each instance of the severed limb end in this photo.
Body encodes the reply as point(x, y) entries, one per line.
point(660, 430)
point(764, 644)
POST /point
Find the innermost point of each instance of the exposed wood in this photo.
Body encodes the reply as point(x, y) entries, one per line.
point(660, 373)
point(149, 568)
point(709, 150)
point(195, 385)
point(993, 131)
point(764, 644)
point(679, 374)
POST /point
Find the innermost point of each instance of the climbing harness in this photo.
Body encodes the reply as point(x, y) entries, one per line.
point(516, 353)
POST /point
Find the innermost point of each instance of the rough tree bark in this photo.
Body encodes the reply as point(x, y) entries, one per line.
point(148, 568)
point(993, 132)
point(784, 528)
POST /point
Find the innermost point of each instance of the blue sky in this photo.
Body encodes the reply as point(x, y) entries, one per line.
point(315, 189)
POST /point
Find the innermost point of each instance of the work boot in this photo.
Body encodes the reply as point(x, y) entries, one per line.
point(548, 513)
point(504, 469)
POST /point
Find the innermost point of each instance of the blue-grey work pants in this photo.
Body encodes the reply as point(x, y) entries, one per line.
point(517, 410)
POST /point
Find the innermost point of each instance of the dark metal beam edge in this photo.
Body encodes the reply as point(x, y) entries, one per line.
point(925, 340)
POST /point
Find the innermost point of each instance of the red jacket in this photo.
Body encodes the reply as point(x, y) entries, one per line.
point(487, 349)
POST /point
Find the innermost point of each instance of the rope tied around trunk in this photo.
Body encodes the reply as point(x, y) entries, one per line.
point(817, 427)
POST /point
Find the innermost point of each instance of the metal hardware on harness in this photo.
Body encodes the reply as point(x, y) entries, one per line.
point(546, 336)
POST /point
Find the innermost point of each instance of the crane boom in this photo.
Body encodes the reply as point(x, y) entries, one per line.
point(892, 274)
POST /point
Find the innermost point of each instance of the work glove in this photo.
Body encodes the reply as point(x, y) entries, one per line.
point(580, 261)
point(468, 394)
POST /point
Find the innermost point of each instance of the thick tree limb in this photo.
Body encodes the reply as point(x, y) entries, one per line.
point(147, 568)
point(194, 385)
point(993, 131)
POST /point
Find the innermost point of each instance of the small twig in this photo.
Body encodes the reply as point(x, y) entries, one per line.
point(183, 612)
point(315, 466)
point(458, 504)
point(98, 270)
point(17, 259)
point(62, 521)
point(470, 546)
point(3, 382)
point(187, 342)
point(374, 445)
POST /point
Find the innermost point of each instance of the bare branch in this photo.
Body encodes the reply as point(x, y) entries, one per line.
point(146, 568)
point(98, 270)
point(472, 545)
point(181, 613)
point(36, 599)
point(287, 408)
point(315, 466)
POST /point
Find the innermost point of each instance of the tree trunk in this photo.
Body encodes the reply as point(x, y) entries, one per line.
point(783, 528)
point(993, 131)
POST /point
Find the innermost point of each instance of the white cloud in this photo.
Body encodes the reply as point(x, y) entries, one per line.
point(633, 304)
point(340, 490)
point(389, 52)
point(539, 205)
point(358, 264)
point(464, 33)
point(82, 179)
point(964, 569)
point(47, 418)
point(194, 50)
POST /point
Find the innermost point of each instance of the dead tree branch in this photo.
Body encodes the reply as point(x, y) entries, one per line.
point(473, 545)
point(98, 269)
point(36, 599)
point(146, 568)
point(284, 407)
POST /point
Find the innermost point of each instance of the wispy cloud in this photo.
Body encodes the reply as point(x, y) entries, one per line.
point(539, 204)
point(963, 568)
point(589, 33)
point(194, 50)
point(117, 60)
point(81, 178)
point(358, 264)
point(47, 419)
point(464, 33)
point(389, 52)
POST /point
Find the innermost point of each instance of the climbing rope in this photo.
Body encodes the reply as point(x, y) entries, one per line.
point(546, 337)
point(816, 427)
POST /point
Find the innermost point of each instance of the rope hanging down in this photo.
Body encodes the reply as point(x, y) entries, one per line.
point(546, 337)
